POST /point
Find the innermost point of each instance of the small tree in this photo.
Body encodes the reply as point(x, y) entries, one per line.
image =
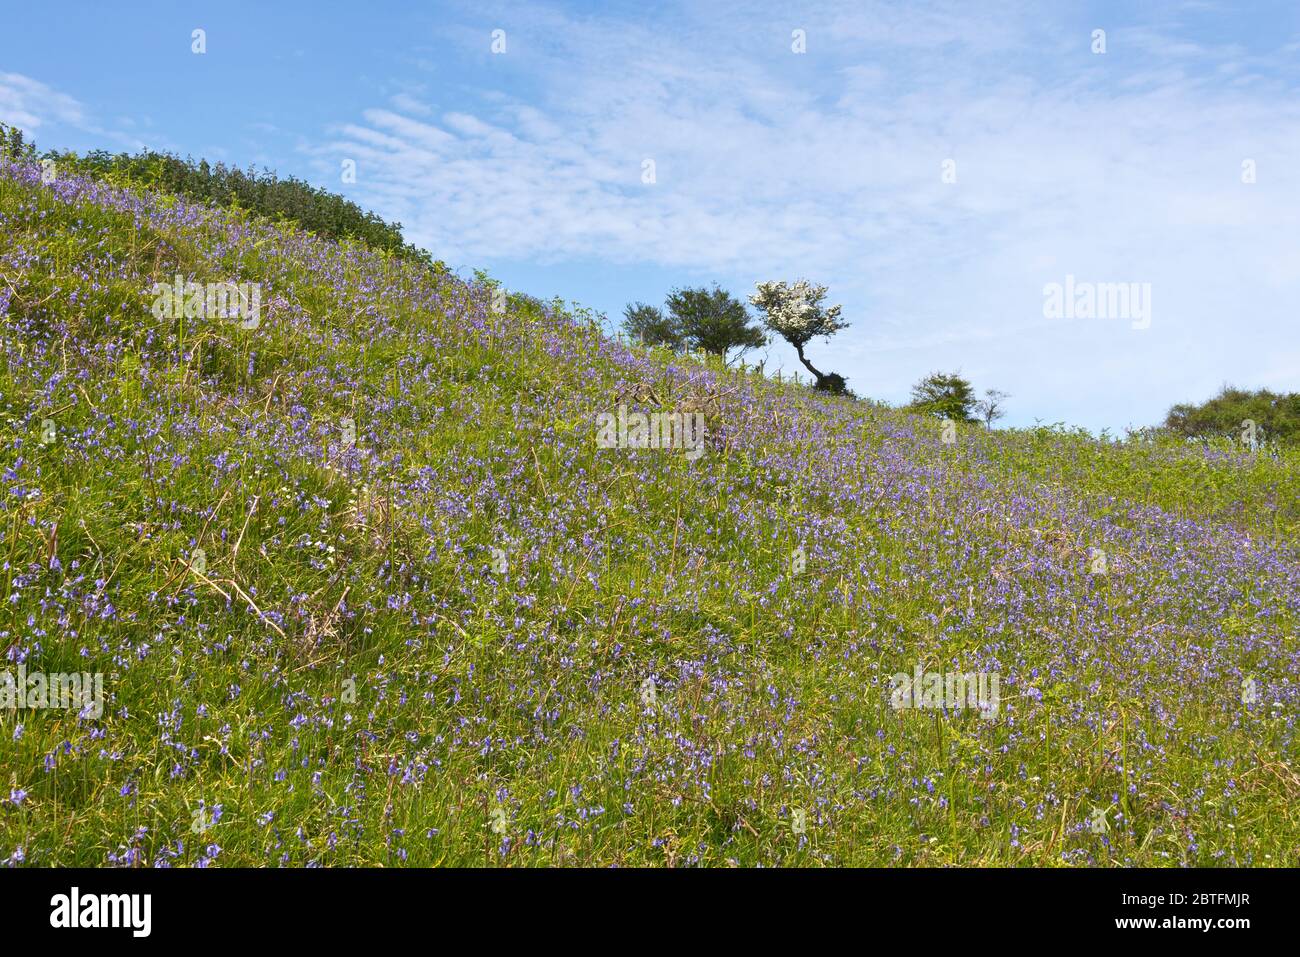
point(648, 325)
point(12, 144)
point(945, 396)
point(797, 315)
point(714, 321)
point(989, 409)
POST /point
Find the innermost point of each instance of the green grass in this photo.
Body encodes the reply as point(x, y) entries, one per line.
point(354, 685)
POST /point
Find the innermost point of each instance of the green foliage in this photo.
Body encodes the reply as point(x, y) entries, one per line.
point(12, 145)
point(1276, 416)
point(713, 321)
point(945, 396)
point(649, 326)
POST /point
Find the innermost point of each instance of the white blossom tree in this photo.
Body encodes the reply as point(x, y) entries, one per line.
point(796, 313)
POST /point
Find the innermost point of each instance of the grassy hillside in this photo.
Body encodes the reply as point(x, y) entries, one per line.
point(646, 670)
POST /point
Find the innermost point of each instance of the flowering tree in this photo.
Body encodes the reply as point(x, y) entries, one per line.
point(797, 315)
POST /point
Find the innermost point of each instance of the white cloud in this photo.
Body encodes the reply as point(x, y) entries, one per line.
point(28, 103)
point(32, 105)
point(1118, 167)
point(407, 103)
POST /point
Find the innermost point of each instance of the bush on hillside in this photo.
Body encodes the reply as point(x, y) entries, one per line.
point(264, 193)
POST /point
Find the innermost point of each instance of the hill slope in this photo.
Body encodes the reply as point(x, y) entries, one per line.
point(433, 622)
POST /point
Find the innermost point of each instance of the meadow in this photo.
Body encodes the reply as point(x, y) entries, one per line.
point(365, 590)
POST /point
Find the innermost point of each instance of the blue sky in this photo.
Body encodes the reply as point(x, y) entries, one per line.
point(1115, 167)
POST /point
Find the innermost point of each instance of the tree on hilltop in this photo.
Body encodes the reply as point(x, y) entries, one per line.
point(945, 396)
point(714, 321)
point(796, 313)
point(649, 326)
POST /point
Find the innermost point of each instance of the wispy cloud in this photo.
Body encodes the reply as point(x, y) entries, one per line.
point(28, 103)
point(1125, 166)
point(32, 105)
